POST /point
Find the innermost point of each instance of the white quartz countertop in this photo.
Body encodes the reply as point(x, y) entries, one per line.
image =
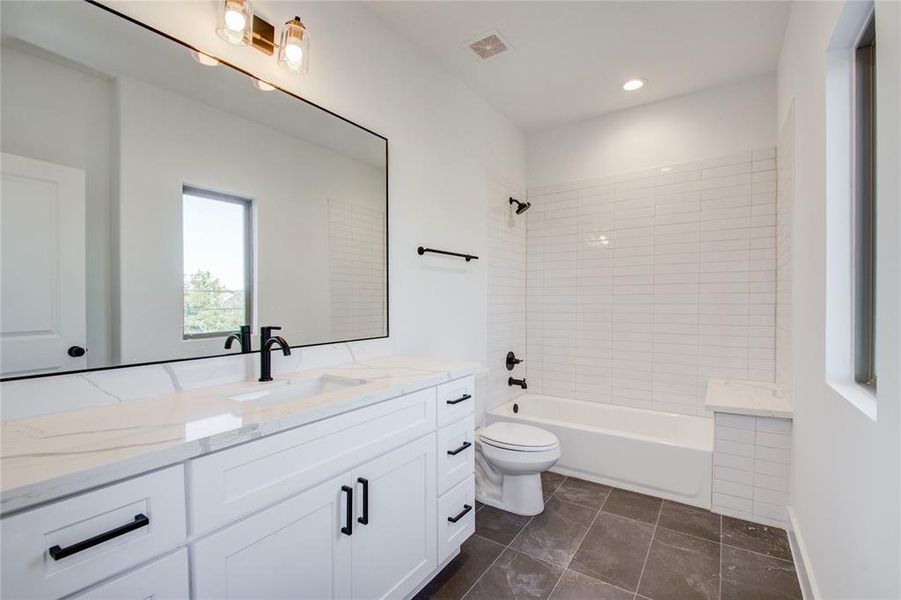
point(46, 457)
point(755, 398)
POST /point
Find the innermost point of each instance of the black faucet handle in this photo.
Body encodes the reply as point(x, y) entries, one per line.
point(266, 332)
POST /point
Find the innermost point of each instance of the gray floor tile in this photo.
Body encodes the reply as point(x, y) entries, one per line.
point(499, 525)
point(476, 555)
point(771, 541)
point(614, 550)
point(554, 535)
point(550, 482)
point(585, 493)
point(575, 586)
point(681, 567)
point(747, 575)
point(633, 505)
point(691, 520)
point(516, 575)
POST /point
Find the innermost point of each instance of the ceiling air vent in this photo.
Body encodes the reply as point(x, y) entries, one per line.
point(490, 45)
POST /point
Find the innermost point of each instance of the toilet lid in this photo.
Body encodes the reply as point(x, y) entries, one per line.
point(516, 436)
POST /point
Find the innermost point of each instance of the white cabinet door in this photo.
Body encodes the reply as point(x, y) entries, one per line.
point(42, 276)
point(396, 548)
point(163, 579)
point(294, 549)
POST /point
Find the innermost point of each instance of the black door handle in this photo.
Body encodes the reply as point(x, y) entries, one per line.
point(57, 553)
point(349, 528)
point(460, 449)
point(462, 513)
point(364, 520)
point(460, 399)
point(76, 351)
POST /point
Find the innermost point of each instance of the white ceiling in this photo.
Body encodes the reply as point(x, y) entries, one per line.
point(569, 59)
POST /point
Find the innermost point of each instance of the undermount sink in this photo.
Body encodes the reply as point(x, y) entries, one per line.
point(287, 390)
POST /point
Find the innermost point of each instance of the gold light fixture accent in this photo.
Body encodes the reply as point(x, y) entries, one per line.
point(237, 24)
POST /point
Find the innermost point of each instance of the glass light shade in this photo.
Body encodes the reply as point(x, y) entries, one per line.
point(235, 22)
point(294, 48)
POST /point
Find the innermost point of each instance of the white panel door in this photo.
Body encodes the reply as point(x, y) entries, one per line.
point(294, 549)
point(42, 266)
point(396, 548)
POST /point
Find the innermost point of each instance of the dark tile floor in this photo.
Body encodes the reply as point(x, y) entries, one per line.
point(597, 542)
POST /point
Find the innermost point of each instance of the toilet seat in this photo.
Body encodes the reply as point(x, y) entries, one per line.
point(518, 437)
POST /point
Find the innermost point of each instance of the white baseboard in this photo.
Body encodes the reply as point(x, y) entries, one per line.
point(802, 560)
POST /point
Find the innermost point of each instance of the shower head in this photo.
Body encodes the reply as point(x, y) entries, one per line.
point(521, 207)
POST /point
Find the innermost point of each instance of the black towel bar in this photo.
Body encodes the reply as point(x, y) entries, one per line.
point(421, 250)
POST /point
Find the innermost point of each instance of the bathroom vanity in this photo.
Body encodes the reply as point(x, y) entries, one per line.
point(345, 482)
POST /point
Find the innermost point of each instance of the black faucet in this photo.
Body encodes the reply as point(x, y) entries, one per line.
point(266, 343)
point(242, 337)
point(520, 382)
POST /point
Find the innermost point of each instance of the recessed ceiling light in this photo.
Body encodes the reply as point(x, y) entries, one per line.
point(634, 84)
point(263, 86)
point(204, 59)
point(666, 169)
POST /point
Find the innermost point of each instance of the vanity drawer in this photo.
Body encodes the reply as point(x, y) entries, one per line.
point(164, 578)
point(456, 400)
point(456, 452)
point(241, 480)
point(452, 505)
point(127, 523)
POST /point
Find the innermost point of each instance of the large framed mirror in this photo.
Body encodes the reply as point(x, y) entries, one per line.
point(152, 205)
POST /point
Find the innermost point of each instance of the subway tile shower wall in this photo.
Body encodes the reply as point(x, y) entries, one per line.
point(506, 262)
point(642, 286)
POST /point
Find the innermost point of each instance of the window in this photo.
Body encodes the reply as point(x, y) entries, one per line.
point(217, 246)
point(864, 208)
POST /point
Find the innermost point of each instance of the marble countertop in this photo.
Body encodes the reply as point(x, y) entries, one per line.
point(754, 398)
point(48, 456)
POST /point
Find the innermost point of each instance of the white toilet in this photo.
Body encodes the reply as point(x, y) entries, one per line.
point(509, 460)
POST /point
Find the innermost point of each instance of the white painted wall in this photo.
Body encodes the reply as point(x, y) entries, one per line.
point(290, 184)
point(60, 114)
point(443, 140)
point(845, 481)
point(714, 122)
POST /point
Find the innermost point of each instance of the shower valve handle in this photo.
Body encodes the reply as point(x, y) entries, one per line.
point(512, 361)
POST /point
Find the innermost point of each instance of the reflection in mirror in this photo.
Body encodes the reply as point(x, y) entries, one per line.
point(154, 202)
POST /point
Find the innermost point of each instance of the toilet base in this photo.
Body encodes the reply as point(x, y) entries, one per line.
point(520, 494)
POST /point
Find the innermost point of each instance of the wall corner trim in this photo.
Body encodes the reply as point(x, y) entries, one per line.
point(809, 588)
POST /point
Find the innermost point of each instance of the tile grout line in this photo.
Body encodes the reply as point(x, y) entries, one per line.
point(650, 544)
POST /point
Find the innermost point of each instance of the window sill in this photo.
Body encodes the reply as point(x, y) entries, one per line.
point(859, 396)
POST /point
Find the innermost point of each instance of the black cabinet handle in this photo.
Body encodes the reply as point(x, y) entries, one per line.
point(57, 553)
point(364, 520)
point(460, 399)
point(466, 509)
point(460, 449)
point(349, 528)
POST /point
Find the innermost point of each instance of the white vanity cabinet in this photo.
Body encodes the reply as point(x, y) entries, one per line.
point(364, 504)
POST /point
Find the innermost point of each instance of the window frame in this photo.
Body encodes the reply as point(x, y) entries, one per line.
point(863, 204)
point(249, 289)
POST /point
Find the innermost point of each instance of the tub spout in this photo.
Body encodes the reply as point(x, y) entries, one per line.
point(520, 382)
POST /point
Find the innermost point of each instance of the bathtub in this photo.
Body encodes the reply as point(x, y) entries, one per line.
point(651, 452)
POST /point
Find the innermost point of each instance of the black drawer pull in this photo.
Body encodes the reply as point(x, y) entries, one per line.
point(349, 528)
point(57, 553)
point(460, 449)
point(364, 520)
point(466, 509)
point(460, 399)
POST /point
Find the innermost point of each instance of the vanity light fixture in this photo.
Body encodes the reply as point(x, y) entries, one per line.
point(236, 24)
point(294, 49)
point(204, 59)
point(634, 84)
point(262, 85)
